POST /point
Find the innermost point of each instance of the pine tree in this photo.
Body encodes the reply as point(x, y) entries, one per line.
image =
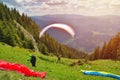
point(103, 51)
point(96, 53)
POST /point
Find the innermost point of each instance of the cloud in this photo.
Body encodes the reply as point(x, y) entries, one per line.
point(82, 7)
point(20, 1)
point(56, 3)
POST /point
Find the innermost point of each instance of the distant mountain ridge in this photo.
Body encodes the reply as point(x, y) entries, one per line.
point(91, 31)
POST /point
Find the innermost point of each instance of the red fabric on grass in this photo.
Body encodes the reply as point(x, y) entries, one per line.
point(20, 69)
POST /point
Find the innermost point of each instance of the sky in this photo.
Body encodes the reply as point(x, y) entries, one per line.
point(79, 7)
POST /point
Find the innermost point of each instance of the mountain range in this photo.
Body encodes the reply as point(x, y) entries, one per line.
point(90, 31)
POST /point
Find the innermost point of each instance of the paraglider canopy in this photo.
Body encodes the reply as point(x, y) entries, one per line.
point(58, 25)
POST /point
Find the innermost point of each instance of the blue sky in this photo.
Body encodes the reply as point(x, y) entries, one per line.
point(80, 7)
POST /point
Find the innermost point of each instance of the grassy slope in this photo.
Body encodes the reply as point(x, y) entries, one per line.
point(55, 71)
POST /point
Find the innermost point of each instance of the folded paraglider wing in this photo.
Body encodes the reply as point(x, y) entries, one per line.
point(20, 69)
point(101, 73)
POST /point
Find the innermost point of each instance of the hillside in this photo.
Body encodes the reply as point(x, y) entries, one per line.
point(28, 35)
point(19, 30)
point(55, 70)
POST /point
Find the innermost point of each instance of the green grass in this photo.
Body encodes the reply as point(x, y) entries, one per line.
point(55, 70)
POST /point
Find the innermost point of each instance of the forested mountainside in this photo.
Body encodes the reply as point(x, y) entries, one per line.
point(19, 30)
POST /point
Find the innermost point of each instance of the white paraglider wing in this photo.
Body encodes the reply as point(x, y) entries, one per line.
point(62, 26)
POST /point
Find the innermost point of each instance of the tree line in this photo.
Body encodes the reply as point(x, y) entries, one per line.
point(110, 50)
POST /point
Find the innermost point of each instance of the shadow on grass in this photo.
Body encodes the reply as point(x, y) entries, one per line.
point(52, 61)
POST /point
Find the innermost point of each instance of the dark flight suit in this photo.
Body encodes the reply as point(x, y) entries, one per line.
point(33, 61)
